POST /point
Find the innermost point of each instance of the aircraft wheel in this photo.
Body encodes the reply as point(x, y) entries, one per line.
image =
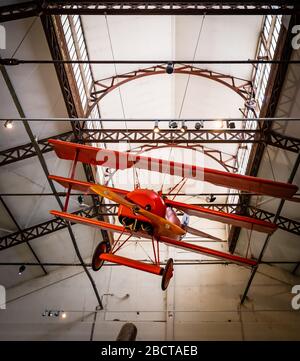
point(167, 274)
point(97, 263)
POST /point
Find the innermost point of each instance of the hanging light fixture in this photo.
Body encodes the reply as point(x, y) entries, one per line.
point(230, 125)
point(170, 68)
point(21, 269)
point(199, 125)
point(8, 124)
point(173, 124)
point(183, 128)
point(211, 198)
point(156, 127)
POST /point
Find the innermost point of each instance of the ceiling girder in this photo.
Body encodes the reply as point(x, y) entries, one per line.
point(234, 7)
point(147, 136)
point(56, 224)
point(276, 79)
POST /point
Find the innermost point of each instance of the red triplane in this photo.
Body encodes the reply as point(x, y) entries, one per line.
point(145, 213)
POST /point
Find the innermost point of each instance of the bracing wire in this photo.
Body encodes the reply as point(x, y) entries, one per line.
point(189, 76)
point(135, 174)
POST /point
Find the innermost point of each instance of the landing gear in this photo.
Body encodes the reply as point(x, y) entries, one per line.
point(167, 274)
point(97, 263)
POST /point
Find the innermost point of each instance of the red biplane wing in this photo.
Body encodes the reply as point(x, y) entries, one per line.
point(124, 160)
point(170, 242)
point(229, 218)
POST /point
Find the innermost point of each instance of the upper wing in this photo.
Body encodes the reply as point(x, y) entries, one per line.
point(124, 160)
point(233, 219)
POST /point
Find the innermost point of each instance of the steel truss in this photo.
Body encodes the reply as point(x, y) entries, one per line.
point(56, 224)
point(48, 7)
point(242, 87)
point(168, 137)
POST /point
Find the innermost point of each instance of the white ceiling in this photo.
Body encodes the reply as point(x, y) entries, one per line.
point(152, 97)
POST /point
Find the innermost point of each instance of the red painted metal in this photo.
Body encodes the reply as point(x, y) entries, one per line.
point(228, 218)
point(151, 268)
point(121, 160)
point(97, 224)
point(208, 251)
point(81, 186)
point(103, 87)
point(72, 177)
point(166, 240)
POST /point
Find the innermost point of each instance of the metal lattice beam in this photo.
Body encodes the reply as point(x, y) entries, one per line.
point(48, 7)
point(147, 136)
point(65, 76)
point(56, 224)
point(26, 151)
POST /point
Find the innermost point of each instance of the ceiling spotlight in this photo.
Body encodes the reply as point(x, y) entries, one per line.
point(211, 198)
point(21, 269)
point(183, 128)
point(170, 68)
point(219, 124)
point(8, 124)
point(230, 125)
point(63, 315)
point(173, 124)
point(156, 127)
point(199, 125)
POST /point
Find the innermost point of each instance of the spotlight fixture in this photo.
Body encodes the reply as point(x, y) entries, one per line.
point(199, 125)
point(230, 125)
point(8, 124)
point(211, 198)
point(80, 200)
point(54, 313)
point(183, 128)
point(173, 124)
point(219, 124)
point(170, 68)
point(21, 269)
point(156, 127)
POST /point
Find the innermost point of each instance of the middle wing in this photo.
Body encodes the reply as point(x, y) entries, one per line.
point(233, 219)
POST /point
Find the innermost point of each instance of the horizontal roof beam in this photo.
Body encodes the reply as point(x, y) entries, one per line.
point(147, 136)
point(89, 7)
point(56, 224)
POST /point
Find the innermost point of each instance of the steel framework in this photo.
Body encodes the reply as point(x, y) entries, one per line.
point(242, 87)
point(65, 76)
point(56, 224)
point(81, 7)
point(191, 138)
point(273, 91)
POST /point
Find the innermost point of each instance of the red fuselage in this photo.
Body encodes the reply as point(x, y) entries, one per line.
point(152, 202)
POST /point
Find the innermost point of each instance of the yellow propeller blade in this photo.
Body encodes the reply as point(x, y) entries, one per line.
point(163, 225)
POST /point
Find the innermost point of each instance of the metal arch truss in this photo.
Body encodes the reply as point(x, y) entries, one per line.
point(56, 224)
point(191, 138)
point(104, 86)
point(224, 159)
point(89, 7)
